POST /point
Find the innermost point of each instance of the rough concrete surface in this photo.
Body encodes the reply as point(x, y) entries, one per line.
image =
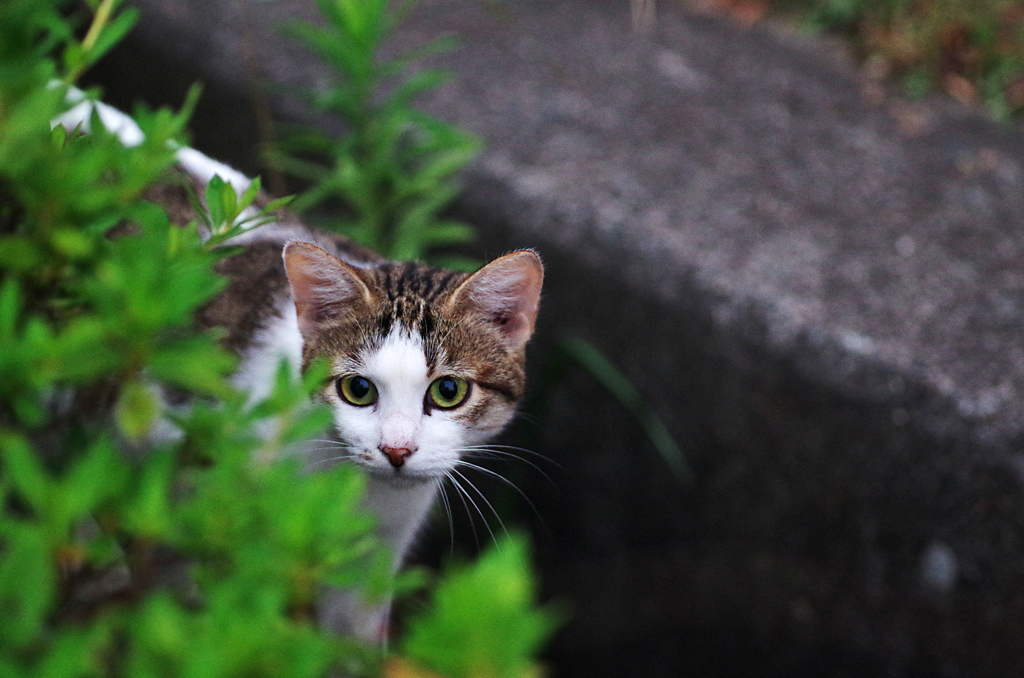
point(820, 289)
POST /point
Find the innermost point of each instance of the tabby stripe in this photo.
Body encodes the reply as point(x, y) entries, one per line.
point(503, 391)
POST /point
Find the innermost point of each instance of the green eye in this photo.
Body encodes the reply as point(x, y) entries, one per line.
point(356, 390)
point(448, 392)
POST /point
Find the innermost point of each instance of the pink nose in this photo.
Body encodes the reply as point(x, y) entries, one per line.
point(396, 455)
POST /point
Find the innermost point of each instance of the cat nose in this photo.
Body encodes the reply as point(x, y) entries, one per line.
point(396, 455)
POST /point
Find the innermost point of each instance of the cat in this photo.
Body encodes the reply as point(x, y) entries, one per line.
point(425, 363)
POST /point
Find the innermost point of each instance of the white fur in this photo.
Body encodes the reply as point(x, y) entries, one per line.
point(130, 134)
point(206, 168)
point(278, 340)
point(398, 498)
point(257, 370)
point(79, 116)
point(399, 370)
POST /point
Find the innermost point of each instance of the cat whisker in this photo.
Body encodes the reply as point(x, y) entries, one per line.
point(302, 449)
point(509, 449)
point(324, 449)
point(335, 443)
point(448, 514)
point(486, 502)
point(461, 493)
point(489, 472)
point(344, 457)
point(506, 481)
point(485, 452)
point(454, 327)
point(531, 419)
point(505, 456)
point(327, 445)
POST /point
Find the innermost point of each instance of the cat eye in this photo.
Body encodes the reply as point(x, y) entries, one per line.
point(448, 392)
point(356, 390)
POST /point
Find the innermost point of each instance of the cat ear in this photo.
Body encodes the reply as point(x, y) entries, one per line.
point(323, 286)
point(506, 292)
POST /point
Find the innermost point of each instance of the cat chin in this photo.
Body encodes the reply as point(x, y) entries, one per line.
point(402, 477)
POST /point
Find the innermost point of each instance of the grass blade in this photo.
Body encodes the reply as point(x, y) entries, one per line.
point(587, 356)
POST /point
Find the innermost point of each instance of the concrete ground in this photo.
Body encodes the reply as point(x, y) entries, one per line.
point(817, 284)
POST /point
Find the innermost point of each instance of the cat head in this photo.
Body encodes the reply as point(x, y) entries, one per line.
point(425, 362)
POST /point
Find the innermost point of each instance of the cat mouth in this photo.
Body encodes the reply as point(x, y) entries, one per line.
point(402, 476)
point(403, 473)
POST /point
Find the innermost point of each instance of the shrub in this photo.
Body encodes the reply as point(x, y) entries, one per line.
point(394, 172)
point(126, 549)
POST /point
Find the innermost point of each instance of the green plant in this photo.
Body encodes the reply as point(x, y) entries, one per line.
point(394, 170)
point(501, 644)
point(125, 549)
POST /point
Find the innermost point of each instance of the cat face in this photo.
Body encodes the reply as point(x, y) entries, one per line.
point(424, 362)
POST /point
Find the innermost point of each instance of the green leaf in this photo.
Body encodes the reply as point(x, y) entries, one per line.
point(20, 253)
point(483, 620)
point(195, 364)
point(449, 233)
point(279, 203)
point(10, 308)
point(250, 194)
point(418, 84)
point(216, 200)
point(137, 410)
point(393, 169)
point(78, 652)
point(27, 583)
point(72, 243)
point(148, 512)
point(22, 470)
point(96, 476)
point(456, 262)
point(74, 58)
point(84, 351)
point(113, 33)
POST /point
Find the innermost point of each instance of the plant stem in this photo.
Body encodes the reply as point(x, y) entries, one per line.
point(99, 22)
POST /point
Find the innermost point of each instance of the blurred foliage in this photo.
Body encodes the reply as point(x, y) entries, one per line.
point(501, 643)
point(971, 49)
point(136, 538)
point(394, 170)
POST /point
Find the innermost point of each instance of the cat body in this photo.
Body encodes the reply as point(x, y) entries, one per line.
point(424, 363)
